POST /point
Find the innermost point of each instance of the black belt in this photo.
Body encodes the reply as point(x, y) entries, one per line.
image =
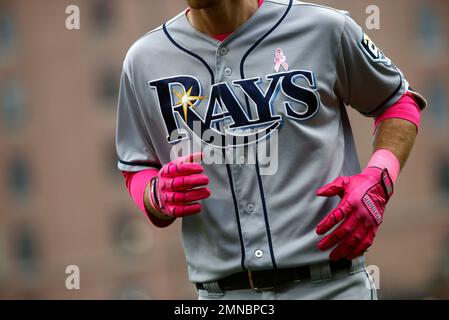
point(269, 279)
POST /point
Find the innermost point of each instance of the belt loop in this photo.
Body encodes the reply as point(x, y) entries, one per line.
point(213, 289)
point(357, 265)
point(320, 272)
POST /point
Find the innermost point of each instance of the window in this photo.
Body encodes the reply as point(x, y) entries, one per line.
point(108, 85)
point(6, 35)
point(3, 258)
point(111, 162)
point(25, 243)
point(430, 30)
point(440, 283)
point(445, 262)
point(13, 105)
point(102, 15)
point(443, 175)
point(19, 177)
point(132, 236)
point(437, 99)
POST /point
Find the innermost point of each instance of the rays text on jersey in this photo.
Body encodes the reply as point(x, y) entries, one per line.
point(183, 103)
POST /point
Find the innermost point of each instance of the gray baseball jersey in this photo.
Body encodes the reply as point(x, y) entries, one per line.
point(289, 71)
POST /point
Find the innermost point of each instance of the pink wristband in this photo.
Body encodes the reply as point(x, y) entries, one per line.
point(385, 159)
point(136, 182)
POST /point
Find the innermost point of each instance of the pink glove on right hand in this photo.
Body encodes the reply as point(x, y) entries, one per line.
point(363, 200)
point(175, 191)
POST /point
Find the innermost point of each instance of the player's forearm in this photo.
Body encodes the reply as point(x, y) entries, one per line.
point(397, 136)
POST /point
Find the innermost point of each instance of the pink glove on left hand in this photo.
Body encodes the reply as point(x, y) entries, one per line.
point(179, 186)
point(363, 200)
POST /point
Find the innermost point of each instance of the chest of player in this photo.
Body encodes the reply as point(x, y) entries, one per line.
point(227, 94)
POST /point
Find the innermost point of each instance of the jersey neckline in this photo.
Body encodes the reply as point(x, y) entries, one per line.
point(219, 39)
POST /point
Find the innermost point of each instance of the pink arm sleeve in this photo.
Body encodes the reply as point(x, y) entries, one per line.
point(406, 108)
point(136, 182)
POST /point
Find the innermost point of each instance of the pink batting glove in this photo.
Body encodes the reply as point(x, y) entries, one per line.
point(175, 191)
point(363, 200)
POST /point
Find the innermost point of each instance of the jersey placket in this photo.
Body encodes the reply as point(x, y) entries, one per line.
point(244, 177)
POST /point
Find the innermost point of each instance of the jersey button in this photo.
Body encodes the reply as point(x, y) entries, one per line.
point(228, 71)
point(250, 207)
point(258, 253)
point(223, 51)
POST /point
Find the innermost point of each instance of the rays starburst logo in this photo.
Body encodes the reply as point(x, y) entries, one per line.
point(187, 100)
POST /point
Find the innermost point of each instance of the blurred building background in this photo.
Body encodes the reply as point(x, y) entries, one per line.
point(63, 202)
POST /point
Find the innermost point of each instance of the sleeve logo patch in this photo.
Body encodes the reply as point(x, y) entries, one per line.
point(373, 52)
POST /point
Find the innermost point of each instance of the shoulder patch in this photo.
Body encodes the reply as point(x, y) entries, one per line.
point(372, 51)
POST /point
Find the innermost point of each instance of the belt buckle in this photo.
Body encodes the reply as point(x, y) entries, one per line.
point(254, 286)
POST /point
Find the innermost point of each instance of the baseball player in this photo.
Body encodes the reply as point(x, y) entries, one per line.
point(231, 77)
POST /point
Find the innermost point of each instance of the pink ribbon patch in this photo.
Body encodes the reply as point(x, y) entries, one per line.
point(280, 60)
